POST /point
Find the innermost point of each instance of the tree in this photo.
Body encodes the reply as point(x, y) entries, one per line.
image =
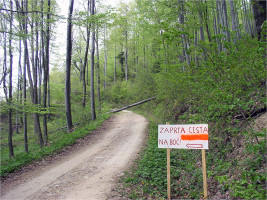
point(93, 114)
point(68, 67)
point(46, 73)
point(88, 25)
point(9, 99)
point(98, 68)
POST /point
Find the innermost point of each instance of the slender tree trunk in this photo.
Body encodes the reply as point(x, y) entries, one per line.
point(86, 55)
point(98, 72)
point(46, 72)
point(196, 42)
point(34, 59)
point(126, 52)
point(200, 14)
point(92, 64)
point(115, 65)
point(105, 62)
point(185, 43)
point(218, 25)
point(126, 46)
point(68, 68)
point(215, 30)
point(40, 70)
point(126, 64)
point(25, 127)
point(233, 18)
point(137, 58)
point(206, 16)
point(225, 17)
point(3, 26)
point(10, 133)
point(19, 99)
point(144, 50)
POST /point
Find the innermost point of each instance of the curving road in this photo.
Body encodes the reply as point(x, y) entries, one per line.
point(90, 172)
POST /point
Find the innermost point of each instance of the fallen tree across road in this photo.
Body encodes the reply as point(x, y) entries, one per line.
point(132, 105)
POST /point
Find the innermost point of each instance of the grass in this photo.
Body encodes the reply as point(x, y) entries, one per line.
point(57, 141)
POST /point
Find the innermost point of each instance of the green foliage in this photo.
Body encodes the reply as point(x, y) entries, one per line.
point(221, 87)
point(118, 94)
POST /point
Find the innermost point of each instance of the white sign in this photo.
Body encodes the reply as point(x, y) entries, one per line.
point(188, 136)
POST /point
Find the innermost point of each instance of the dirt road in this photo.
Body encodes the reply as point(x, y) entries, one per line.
point(91, 171)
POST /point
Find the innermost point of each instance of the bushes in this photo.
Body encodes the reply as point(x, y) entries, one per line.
point(118, 94)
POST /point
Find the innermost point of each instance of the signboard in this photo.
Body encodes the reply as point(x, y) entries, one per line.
point(188, 136)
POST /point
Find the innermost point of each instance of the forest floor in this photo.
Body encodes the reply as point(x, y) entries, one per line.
point(90, 169)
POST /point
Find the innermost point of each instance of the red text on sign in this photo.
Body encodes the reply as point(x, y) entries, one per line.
point(172, 130)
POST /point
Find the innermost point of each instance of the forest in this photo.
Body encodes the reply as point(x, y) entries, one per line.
point(200, 61)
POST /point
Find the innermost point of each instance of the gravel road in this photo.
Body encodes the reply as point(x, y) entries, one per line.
point(89, 170)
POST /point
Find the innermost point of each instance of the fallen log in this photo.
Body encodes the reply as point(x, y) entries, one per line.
point(132, 105)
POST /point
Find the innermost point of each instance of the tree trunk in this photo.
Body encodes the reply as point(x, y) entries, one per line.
point(132, 105)
point(68, 67)
point(115, 65)
point(40, 70)
point(10, 133)
point(259, 12)
point(233, 18)
point(206, 18)
point(185, 43)
point(218, 25)
point(86, 55)
point(19, 97)
point(200, 15)
point(92, 64)
point(225, 19)
point(126, 50)
point(98, 72)
point(144, 50)
point(46, 72)
point(105, 62)
point(126, 64)
point(25, 127)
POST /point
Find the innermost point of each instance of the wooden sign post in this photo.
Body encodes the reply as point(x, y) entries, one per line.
point(189, 136)
point(204, 174)
point(169, 173)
